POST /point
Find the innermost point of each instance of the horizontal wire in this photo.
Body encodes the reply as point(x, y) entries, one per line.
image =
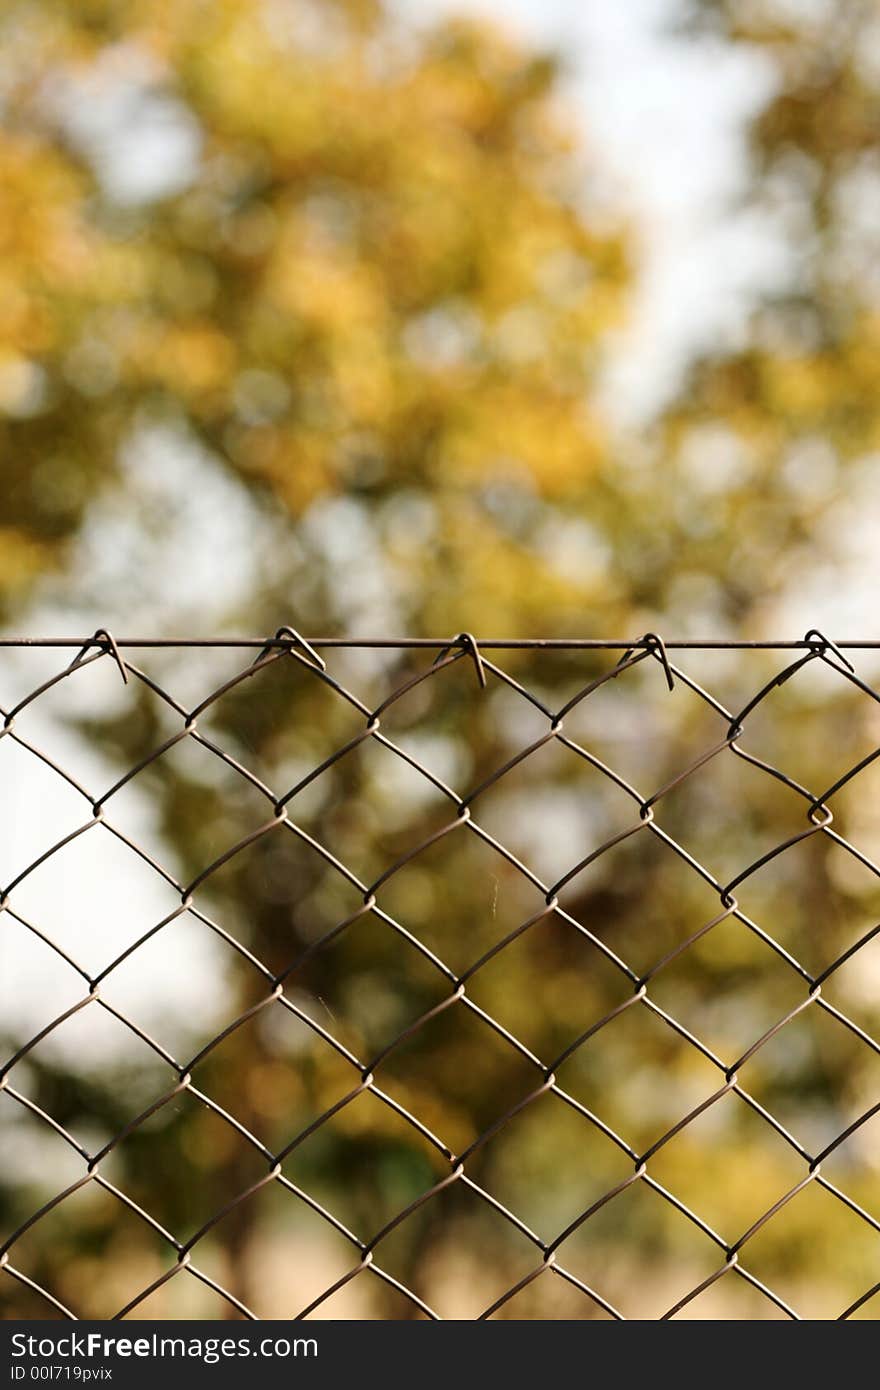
point(439, 643)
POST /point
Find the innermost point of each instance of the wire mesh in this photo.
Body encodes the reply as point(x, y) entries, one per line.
point(471, 802)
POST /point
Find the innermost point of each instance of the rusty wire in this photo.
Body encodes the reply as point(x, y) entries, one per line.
point(549, 1246)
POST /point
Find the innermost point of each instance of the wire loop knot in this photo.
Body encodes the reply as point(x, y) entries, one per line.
point(106, 641)
point(656, 646)
point(468, 644)
point(297, 640)
point(823, 644)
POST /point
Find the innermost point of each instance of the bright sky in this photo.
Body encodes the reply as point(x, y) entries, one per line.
point(664, 118)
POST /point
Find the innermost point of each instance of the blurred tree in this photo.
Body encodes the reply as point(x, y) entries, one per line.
point(776, 415)
point(386, 280)
point(373, 274)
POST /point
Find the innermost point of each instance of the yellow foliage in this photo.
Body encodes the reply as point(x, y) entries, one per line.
point(23, 558)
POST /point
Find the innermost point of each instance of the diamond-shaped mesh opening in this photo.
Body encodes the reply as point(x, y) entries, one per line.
point(459, 897)
point(792, 1076)
point(595, 1041)
point(782, 896)
point(830, 717)
point(572, 985)
point(552, 808)
point(279, 898)
point(455, 1063)
point(728, 988)
point(184, 1136)
point(58, 1077)
point(88, 1041)
point(367, 986)
point(185, 1008)
point(608, 723)
point(848, 1248)
point(94, 897)
point(92, 1253)
point(729, 1165)
point(704, 813)
point(658, 1076)
point(663, 1256)
point(457, 1224)
point(248, 713)
point(275, 1074)
point(367, 1162)
point(306, 1255)
point(520, 1170)
point(48, 719)
point(641, 898)
point(197, 790)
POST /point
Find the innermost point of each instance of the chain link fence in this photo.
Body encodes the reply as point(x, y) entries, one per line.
point(439, 979)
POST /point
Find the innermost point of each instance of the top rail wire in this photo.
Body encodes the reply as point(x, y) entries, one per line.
point(496, 643)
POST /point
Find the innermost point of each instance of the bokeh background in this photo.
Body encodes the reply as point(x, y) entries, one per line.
point(534, 320)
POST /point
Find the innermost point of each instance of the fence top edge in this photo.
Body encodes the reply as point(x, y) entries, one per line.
point(436, 643)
